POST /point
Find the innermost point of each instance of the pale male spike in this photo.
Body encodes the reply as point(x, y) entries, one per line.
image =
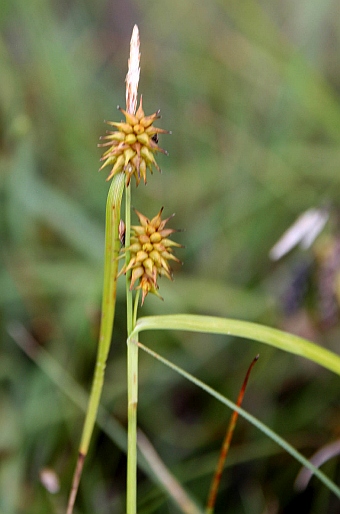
point(132, 77)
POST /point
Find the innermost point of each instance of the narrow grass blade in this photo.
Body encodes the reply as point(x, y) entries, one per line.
point(271, 336)
point(112, 247)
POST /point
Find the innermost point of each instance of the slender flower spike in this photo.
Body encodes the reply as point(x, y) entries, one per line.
point(150, 250)
point(131, 148)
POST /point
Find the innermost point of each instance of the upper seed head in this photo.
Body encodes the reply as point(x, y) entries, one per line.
point(131, 148)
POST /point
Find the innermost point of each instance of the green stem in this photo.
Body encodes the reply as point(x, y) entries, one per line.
point(127, 259)
point(131, 493)
point(132, 377)
point(112, 248)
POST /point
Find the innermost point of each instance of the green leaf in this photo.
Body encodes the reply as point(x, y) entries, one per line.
point(231, 327)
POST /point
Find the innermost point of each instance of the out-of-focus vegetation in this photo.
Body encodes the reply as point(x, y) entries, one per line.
point(250, 91)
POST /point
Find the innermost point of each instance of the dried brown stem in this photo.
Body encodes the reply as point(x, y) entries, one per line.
point(226, 444)
point(75, 482)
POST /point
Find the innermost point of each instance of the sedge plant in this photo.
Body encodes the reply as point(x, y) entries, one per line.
point(147, 249)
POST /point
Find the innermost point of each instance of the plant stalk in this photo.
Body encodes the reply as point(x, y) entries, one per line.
point(131, 494)
point(112, 248)
point(132, 377)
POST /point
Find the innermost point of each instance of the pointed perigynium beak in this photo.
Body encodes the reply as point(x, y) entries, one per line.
point(131, 148)
point(150, 253)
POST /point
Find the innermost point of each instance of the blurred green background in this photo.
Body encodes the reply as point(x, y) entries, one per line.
point(250, 90)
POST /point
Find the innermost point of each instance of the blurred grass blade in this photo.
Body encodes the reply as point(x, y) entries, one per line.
point(327, 452)
point(49, 204)
point(65, 382)
point(105, 420)
point(166, 478)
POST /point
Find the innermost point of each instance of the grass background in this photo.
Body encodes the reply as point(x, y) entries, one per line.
point(250, 91)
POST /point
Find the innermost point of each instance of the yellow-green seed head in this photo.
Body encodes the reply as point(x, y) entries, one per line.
point(150, 252)
point(132, 146)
